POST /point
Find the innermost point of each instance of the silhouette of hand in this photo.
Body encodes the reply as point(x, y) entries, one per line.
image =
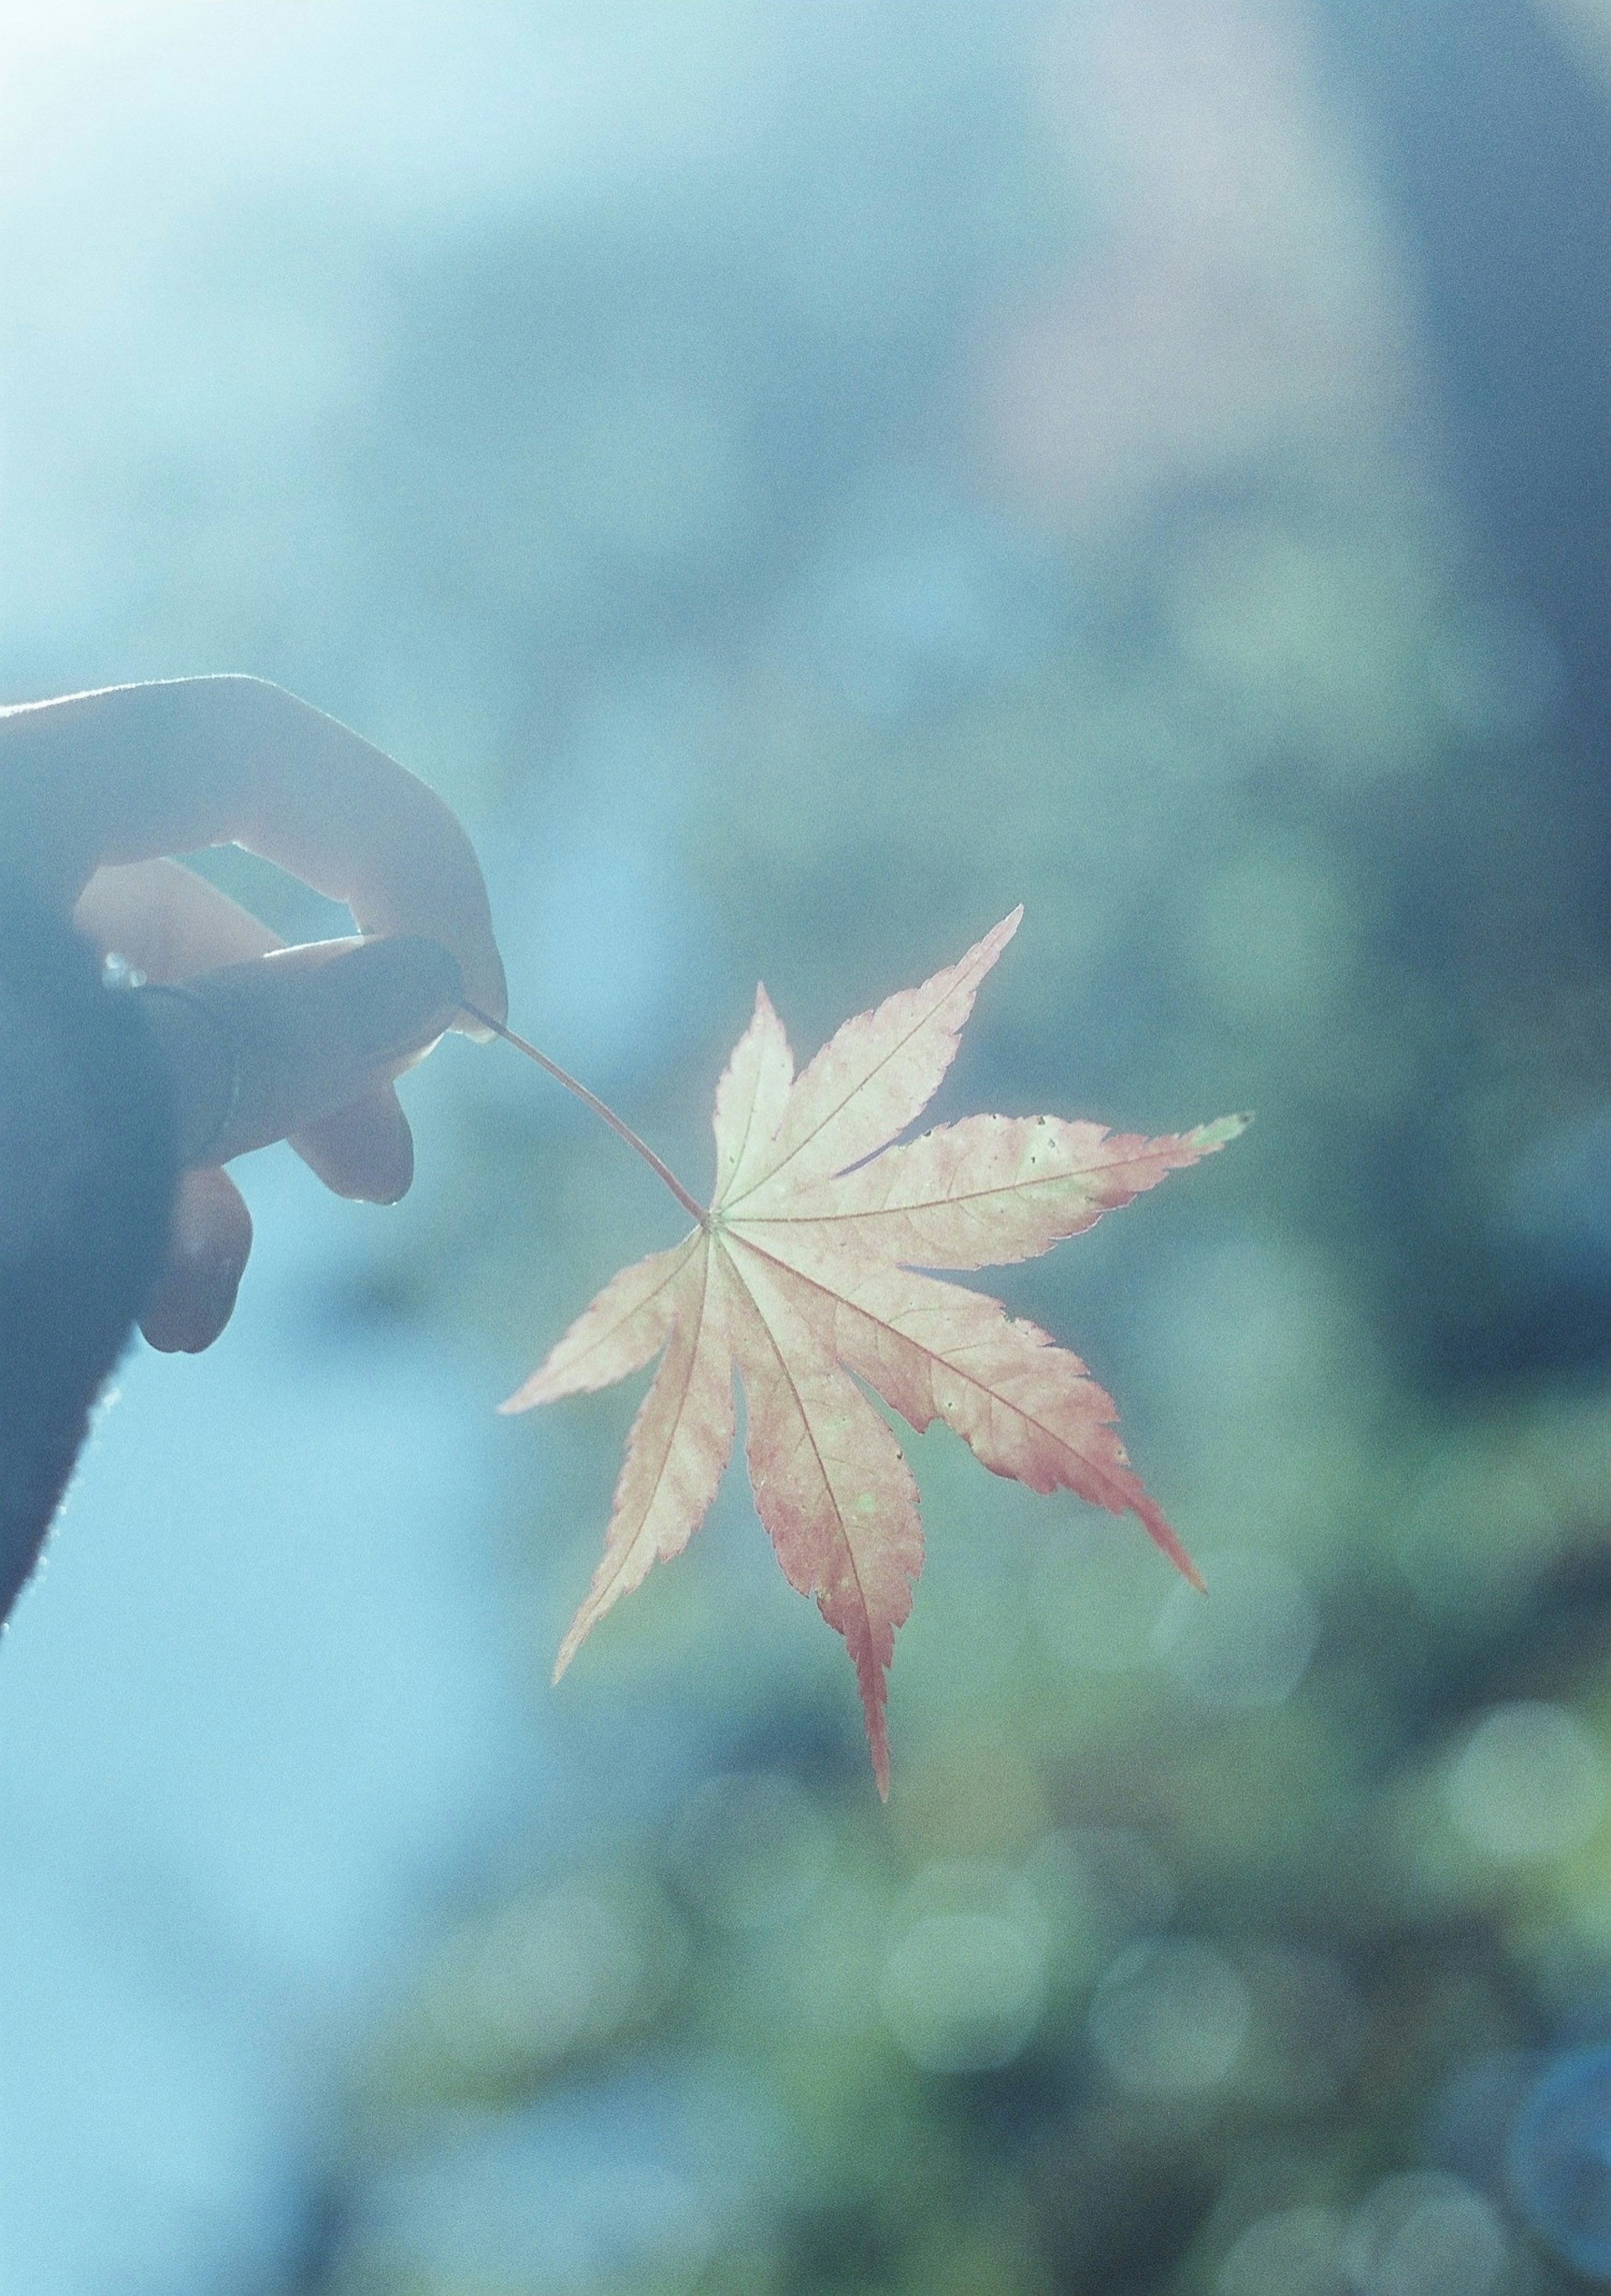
point(260, 1042)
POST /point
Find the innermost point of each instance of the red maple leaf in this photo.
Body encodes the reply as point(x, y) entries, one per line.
point(805, 1277)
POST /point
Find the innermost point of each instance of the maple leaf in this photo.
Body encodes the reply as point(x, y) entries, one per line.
point(806, 1275)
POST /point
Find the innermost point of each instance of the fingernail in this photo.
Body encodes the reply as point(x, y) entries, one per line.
point(408, 992)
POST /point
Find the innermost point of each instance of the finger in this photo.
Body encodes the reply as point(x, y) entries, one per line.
point(170, 924)
point(364, 1151)
point(255, 1052)
point(209, 1238)
point(167, 922)
point(137, 771)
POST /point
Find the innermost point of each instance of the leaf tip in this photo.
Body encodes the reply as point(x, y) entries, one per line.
point(537, 1389)
point(1159, 1532)
point(1222, 1132)
point(576, 1635)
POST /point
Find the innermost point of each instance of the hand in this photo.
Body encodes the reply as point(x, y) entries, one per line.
point(265, 1043)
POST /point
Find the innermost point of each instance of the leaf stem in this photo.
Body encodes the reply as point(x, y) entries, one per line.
point(599, 1108)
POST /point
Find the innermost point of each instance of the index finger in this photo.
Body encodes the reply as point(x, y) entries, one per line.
point(255, 1051)
point(133, 772)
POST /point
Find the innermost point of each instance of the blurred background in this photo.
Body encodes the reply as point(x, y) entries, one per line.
point(802, 478)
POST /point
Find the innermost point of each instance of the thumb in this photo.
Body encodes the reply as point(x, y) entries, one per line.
point(255, 1051)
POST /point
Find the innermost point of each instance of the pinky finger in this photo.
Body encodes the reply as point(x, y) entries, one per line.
point(208, 1240)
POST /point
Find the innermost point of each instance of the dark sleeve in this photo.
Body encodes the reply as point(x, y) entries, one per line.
point(86, 1182)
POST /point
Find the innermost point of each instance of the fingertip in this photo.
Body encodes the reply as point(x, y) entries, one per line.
point(396, 1186)
point(440, 979)
point(486, 991)
point(364, 1152)
point(403, 990)
point(210, 1240)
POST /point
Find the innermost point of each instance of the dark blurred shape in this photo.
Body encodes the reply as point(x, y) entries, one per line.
point(1496, 147)
point(87, 1177)
point(1558, 2161)
point(1493, 143)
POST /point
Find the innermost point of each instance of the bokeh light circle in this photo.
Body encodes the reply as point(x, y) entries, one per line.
point(1293, 2252)
point(1170, 2017)
point(963, 1992)
point(1425, 2234)
point(1249, 1645)
point(964, 1980)
point(1528, 1783)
